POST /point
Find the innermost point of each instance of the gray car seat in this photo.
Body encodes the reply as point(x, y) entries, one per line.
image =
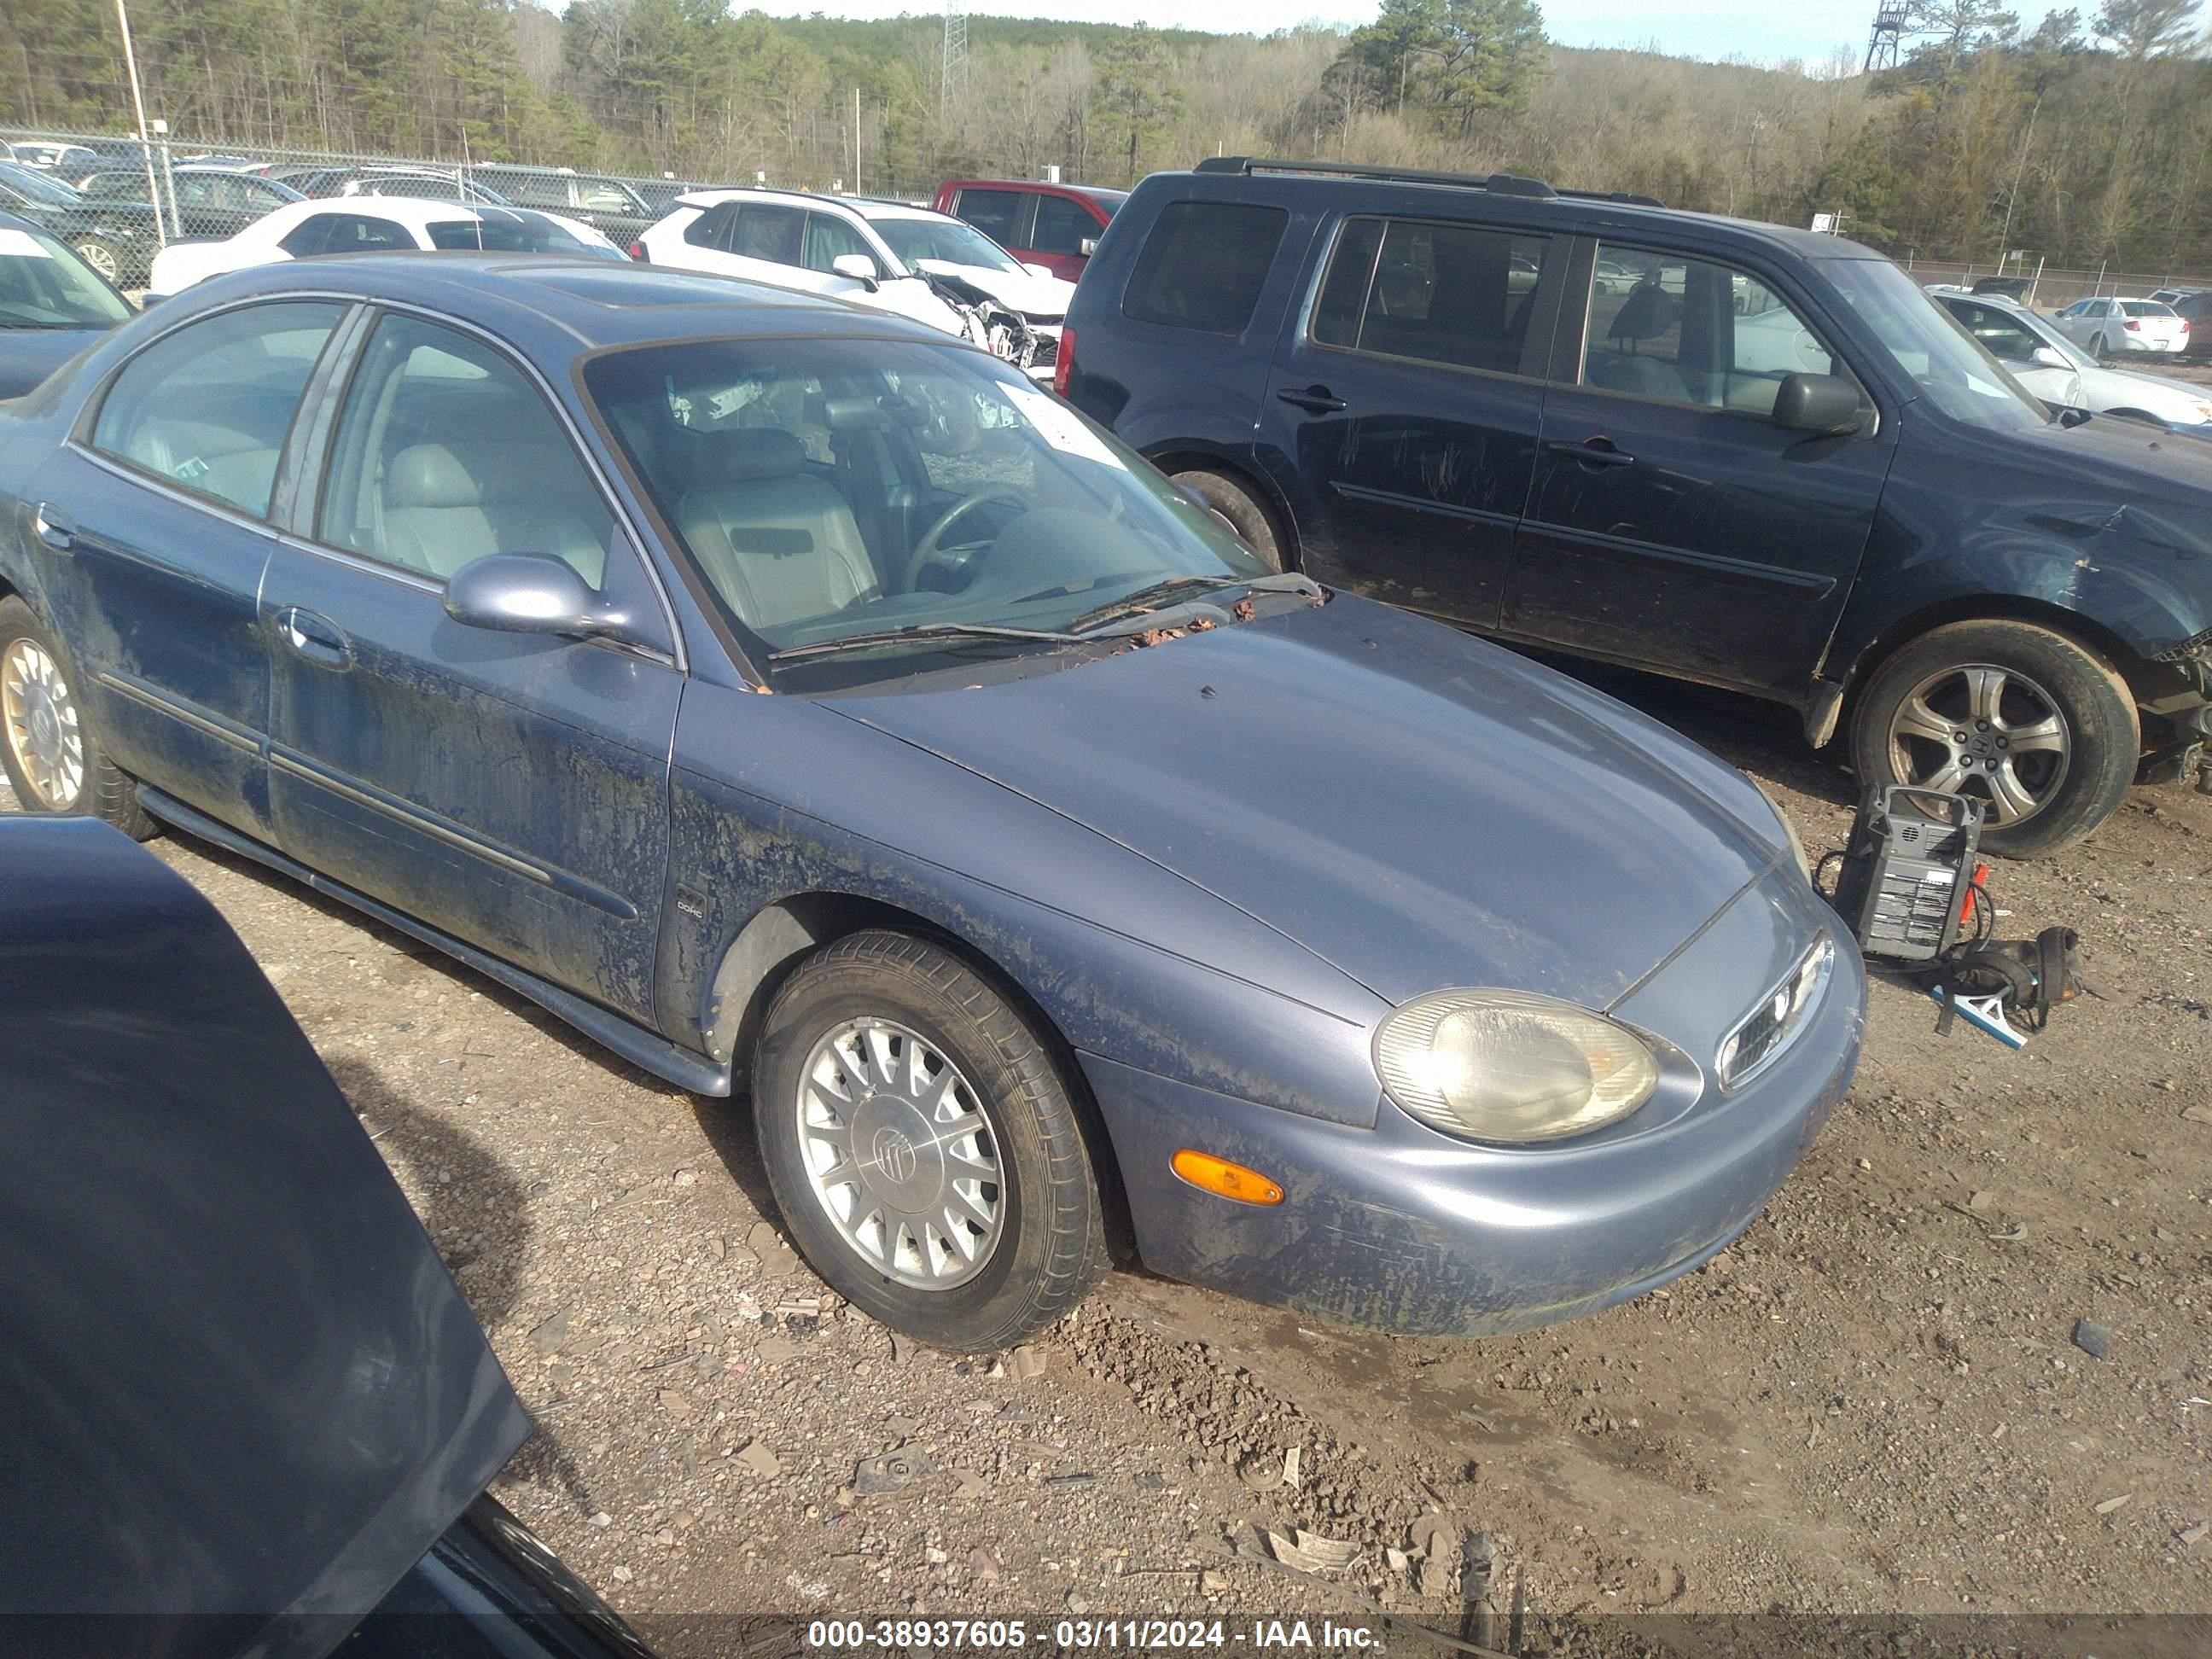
point(441, 505)
point(1647, 313)
point(781, 546)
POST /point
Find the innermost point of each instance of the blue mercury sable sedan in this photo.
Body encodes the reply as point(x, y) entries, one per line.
point(797, 701)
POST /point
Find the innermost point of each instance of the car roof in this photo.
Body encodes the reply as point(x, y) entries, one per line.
point(1096, 192)
point(595, 303)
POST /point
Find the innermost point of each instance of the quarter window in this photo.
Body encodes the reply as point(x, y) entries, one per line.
point(1695, 331)
point(207, 408)
point(1439, 293)
point(1203, 265)
point(446, 452)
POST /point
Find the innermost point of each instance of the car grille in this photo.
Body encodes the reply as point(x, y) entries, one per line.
point(1766, 1029)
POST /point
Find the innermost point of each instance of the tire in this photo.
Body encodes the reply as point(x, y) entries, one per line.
point(1238, 508)
point(1984, 690)
point(847, 1045)
point(103, 256)
point(49, 748)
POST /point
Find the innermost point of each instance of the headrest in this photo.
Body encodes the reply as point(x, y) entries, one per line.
point(1647, 313)
point(740, 454)
point(430, 475)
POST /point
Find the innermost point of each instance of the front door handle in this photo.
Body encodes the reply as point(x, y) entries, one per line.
point(55, 527)
point(1318, 398)
point(1598, 451)
point(313, 636)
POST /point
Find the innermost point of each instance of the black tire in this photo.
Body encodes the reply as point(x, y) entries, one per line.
point(1237, 508)
point(1048, 1248)
point(2073, 792)
point(100, 791)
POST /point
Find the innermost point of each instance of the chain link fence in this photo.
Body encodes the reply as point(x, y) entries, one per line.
point(2048, 288)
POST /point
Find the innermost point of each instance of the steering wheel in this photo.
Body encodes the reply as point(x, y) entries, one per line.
point(926, 549)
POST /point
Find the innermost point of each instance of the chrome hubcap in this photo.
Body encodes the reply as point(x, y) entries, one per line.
point(39, 717)
point(900, 1154)
point(1985, 732)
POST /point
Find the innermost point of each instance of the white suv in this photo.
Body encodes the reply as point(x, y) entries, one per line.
point(906, 260)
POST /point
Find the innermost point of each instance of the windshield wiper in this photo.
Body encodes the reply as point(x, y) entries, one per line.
point(1283, 581)
point(917, 632)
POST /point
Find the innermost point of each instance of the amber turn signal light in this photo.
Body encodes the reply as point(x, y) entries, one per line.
point(1218, 1175)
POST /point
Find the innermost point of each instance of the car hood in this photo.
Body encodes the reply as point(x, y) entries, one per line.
point(2170, 400)
point(1416, 807)
point(2115, 477)
point(27, 356)
point(1023, 291)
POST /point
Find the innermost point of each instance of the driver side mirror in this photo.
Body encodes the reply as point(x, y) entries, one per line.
point(527, 594)
point(860, 267)
point(2049, 357)
point(1827, 404)
point(1087, 246)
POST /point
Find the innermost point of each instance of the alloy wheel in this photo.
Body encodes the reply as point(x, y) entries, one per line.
point(901, 1154)
point(1982, 730)
point(101, 258)
point(39, 719)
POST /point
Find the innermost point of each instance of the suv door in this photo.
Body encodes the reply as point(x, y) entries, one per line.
point(1402, 411)
point(510, 789)
point(155, 521)
point(1673, 525)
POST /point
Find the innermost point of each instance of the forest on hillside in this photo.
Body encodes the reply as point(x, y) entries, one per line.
point(2087, 139)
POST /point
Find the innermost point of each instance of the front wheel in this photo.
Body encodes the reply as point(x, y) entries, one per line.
point(50, 753)
point(923, 1144)
point(1237, 508)
point(2032, 723)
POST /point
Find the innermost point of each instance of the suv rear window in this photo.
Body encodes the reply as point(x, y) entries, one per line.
point(1440, 293)
point(1203, 265)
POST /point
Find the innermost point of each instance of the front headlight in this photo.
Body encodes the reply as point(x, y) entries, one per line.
point(1510, 1066)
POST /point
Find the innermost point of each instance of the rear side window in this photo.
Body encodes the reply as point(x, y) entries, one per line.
point(711, 229)
point(1203, 265)
point(1438, 292)
point(207, 408)
point(1000, 215)
point(307, 238)
point(768, 233)
point(1062, 226)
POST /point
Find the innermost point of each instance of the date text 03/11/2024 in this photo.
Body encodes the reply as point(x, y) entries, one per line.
point(986, 1636)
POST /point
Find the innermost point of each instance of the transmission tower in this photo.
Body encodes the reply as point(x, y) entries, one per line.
point(1891, 20)
point(955, 72)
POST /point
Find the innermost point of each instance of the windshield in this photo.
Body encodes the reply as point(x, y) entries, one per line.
point(44, 285)
point(828, 488)
point(946, 240)
point(1929, 343)
point(38, 187)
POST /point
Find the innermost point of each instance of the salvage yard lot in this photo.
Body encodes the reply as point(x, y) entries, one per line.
point(1871, 1403)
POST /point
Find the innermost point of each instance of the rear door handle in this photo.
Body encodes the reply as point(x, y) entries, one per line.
point(1592, 452)
point(55, 527)
point(314, 637)
point(1318, 398)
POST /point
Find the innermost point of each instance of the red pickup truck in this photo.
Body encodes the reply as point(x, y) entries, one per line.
point(1054, 226)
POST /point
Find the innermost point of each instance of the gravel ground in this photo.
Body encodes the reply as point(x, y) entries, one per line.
point(1871, 1404)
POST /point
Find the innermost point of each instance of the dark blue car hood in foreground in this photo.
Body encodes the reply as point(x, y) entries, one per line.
point(1417, 808)
point(239, 1394)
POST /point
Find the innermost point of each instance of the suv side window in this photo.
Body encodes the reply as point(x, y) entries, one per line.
point(1450, 294)
point(770, 233)
point(828, 239)
point(1696, 332)
point(1062, 226)
point(1203, 265)
point(208, 407)
point(446, 453)
point(1000, 215)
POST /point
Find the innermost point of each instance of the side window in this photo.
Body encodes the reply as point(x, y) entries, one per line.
point(1440, 293)
point(1695, 331)
point(828, 239)
point(2003, 337)
point(309, 237)
point(605, 196)
point(1203, 265)
point(711, 229)
point(208, 407)
point(766, 231)
point(359, 232)
point(446, 452)
point(1001, 214)
point(1062, 226)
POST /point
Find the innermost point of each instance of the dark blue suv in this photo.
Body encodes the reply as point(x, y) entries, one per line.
point(1731, 453)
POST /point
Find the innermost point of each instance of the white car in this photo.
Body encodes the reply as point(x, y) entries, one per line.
point(372, 224)
point(2106, 327)
point(2062, 374)
point(906, 260)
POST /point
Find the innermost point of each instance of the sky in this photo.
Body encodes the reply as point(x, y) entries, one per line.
point(1757, 29)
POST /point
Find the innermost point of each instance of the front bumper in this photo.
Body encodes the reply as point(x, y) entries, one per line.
point(1400, 1228)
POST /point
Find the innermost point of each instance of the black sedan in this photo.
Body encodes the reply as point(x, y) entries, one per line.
point(118, 240)
point(208, 201)
point(52, 304)
point(247, 1410)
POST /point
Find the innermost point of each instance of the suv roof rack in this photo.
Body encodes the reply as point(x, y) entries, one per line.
point(1498, 184)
